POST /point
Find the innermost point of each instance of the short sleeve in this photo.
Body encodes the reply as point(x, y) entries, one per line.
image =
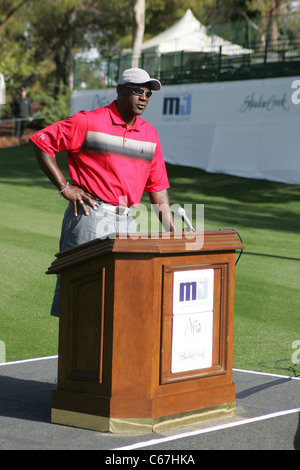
point(67, 135)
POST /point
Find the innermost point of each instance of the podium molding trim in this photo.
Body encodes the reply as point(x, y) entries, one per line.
point(141, 425)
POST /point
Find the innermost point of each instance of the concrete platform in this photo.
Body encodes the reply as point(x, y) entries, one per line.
point(267, 418)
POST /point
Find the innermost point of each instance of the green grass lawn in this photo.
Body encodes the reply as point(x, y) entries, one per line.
point(266, 214)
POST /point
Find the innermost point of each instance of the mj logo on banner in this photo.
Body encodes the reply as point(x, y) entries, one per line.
point(177, 105)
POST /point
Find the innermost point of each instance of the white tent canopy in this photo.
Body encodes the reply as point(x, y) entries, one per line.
point(189, 35)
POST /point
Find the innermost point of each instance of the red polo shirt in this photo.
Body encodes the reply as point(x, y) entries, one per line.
point(106, 158)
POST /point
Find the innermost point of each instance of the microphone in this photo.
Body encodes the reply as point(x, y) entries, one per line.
point(181, 213)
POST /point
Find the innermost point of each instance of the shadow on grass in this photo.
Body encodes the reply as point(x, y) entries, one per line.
point(288, 258)
point(18, 166)
point(246, 190)
point(230, 201)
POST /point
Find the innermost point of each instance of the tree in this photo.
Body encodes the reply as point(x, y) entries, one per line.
point(8, 9)
point(16, 58)
point(41, 42)
point(268, 10)
point(63, 27)
point(138, 29)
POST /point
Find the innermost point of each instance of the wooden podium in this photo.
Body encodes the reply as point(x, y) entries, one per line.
point(146, 331)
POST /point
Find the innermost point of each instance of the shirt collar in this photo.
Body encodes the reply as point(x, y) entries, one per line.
point(116, 118)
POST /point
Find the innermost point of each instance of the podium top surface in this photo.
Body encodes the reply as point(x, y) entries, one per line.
point(150, 243)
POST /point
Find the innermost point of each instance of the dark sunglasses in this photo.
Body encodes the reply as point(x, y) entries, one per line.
point(137, 90)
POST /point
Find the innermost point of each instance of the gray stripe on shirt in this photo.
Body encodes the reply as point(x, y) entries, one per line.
point(106, 143)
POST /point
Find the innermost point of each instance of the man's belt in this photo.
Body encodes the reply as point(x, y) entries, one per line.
point(119, 210)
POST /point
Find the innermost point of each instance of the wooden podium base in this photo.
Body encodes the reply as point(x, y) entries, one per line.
point(140, 425)
point(146, 333)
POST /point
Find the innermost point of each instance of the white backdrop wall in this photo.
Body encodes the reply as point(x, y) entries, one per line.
point(2, 89)
point(247, 128)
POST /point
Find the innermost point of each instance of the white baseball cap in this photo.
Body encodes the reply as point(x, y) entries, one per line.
point(139, 77)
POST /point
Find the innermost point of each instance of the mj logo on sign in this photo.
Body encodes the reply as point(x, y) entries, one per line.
point(177, 105)
point(192, 291)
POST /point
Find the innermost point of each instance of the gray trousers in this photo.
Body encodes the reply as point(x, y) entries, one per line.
point(100, 223)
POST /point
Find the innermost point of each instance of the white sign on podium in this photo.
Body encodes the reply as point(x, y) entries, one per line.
point(192, 330)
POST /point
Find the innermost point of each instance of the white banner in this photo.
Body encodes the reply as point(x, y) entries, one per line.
point(248, 128)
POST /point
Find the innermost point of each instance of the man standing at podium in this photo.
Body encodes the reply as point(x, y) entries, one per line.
point(113, 157)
